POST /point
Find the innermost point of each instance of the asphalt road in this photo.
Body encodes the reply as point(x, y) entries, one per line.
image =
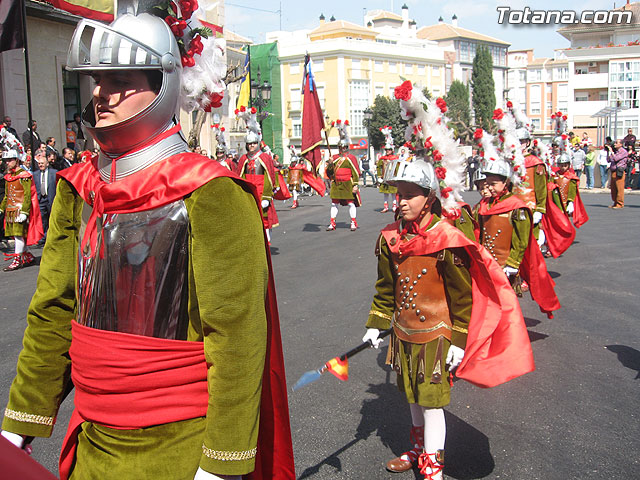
point(575, 417)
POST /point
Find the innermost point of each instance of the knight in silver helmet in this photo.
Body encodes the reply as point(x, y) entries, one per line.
point(157, 268)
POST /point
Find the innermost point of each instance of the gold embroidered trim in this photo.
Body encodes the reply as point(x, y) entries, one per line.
point(227, 456)
point(380, 314)
point(413, 331)
point(460, 329)
point(28, 417)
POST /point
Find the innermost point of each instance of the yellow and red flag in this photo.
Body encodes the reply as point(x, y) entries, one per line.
point(96, 9)
point(339, 368)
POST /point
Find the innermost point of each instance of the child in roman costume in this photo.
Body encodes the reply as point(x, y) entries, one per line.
point(389, 191)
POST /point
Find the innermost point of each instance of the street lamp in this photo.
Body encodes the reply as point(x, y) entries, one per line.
point(368, 116)
point(260, 93)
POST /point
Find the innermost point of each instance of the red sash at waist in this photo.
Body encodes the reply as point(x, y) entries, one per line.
point(129, 381)
point(343, 175)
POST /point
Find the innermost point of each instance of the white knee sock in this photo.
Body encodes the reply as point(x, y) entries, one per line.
point(334, 210)
point(268, 230)
point(352, 210)
point(387, 197)
point(435, 429)
point(19, 241)
point(417, 415)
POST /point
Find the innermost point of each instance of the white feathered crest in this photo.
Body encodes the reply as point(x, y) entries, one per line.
point(428, 135)
point(8, 141)
point(388, 137)
point(342, 130)
point(250, 117)
point(218, 131)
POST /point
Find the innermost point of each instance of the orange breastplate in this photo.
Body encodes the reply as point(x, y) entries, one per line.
point(563, 187)
point(496, 236)
point(527, 192)
point(15, 199)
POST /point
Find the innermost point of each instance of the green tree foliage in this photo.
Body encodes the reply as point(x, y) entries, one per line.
point(386, 112)
point(484, 97)
point(458, 109)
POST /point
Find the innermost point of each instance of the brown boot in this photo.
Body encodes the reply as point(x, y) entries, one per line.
point(405, 461)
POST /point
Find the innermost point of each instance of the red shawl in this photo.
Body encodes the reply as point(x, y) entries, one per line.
point(267, 163)
point(556, 225)
point(531, 161)
point(580, 216)
point(160, 184)
point(283, 192)
point(533, 268)
point(498, 347)
point(35, 231)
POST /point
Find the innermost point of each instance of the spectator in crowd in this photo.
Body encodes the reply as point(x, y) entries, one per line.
point(589, 166)
point(197, 149)
point(7, 124)
point(473, 162)
point(68, 158)
point(276, 161)
point(618, 157)
point(78, 129)
point(31, 138)
point(586, 142)
point(51, 147)
point(632, 171)
point(44, 179)
point(630, 139)
point(204, 152)
point(603, 166)
point(71, 136)
point(573, 139)
point(577, 161)
point(365, 168)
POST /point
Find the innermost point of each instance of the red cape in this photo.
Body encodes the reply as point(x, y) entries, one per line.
point(498, 347)
point(580, 216)
point(16, 463)
point(35, 230)
point(267, 163)
point(283, 193)
point(533, 268)
point(162, 183)
point(531, 161)
point(556, 225)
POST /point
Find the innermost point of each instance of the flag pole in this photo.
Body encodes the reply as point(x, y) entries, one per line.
point(27, 77)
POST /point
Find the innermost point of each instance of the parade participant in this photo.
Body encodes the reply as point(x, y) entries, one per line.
point(344, 174)
point(257, 168)
point(300, 171)
point(505, 221)
point(437, 290)
point(388, 191)
point(221, 147)
point(155, 296)
point(568, 197)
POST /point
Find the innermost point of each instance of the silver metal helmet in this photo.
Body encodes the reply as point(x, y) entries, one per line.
point(496, 167)
point(343, 142)
point(419, 172)
point(252, 137)
point(221, 148)
point(478, 175)
point(523, 133)
point(131, 42)
point(8, 154)
point(563, 158)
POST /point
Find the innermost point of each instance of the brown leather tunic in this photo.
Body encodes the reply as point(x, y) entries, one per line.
point(295, 176)
point(422, 312)
point(527, 193)
point(496, 236)
point(563, 185)
point(15, 199)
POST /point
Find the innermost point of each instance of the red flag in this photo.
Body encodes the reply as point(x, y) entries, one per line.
point(95, 9)
point(312, 119)
point(11, 35)
point(339, 368)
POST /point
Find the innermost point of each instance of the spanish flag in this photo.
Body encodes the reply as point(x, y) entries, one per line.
point(339, 368)
point(96, 9)
point(245, 85)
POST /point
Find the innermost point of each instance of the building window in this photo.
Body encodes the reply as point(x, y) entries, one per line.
point(393, 67)
point(294, 68)
point(421, 70)
point(321, 95)
point(379, 90)
point(358, 102)
point(624, 96)
point(624, 72)
point(563, 97)
point(561, 73)
point(377, 66)
point(318, 65)
point(435, 71)
point(534, 75)
point(536, 100)
point(71, 89)
point(582, 97)
point(549, 106)
point(296, 126)
point(408, 69)
point(523, 75)
point(535, 122)
point(296, 97)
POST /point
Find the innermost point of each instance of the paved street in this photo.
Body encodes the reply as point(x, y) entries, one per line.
point(575, 417)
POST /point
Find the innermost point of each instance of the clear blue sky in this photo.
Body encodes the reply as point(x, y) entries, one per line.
point(247, 17)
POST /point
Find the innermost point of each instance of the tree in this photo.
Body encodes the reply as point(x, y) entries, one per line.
point(386, 112)
point(484, 96)
point(459, 113)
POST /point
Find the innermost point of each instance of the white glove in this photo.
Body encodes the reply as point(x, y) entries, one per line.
point(541, 238)
point(21, 218)
point(510, 271)
point(204, 475)
point(17, 440)
point(537, 217)
point(265, 203)
point(570, 208)
point(454, 357)
point(372, 336)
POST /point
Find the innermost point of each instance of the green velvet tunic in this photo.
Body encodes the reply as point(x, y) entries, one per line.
point(384, 188)
point(454, 271)
point(227, 283)
point(344, 190)
point(16, 229)
point(521, 223)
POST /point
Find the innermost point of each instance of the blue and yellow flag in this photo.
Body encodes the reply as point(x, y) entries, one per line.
point(245, 86)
